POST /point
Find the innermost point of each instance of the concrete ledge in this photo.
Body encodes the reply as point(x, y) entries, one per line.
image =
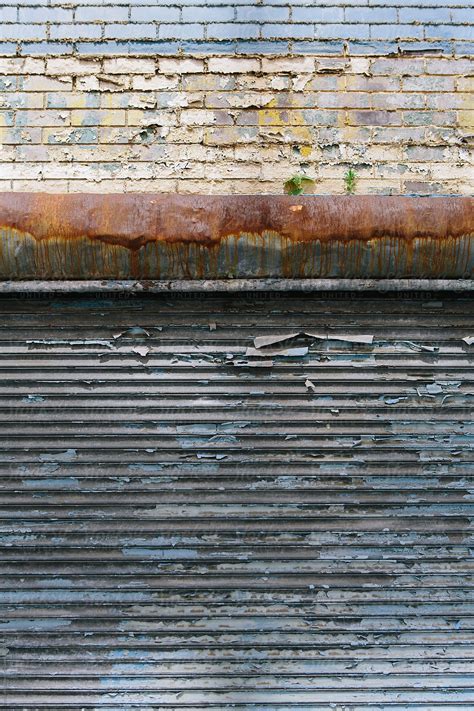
point(234, 285)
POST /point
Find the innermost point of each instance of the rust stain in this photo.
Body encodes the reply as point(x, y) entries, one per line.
point(180, 236)
point(133, 220)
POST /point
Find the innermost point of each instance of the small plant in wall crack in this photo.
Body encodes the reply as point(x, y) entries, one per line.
point(350, 181)
point(298, 184)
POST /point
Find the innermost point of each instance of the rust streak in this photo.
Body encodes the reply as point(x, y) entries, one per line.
point(133, 220)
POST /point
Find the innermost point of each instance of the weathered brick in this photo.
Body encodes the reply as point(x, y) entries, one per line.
point(375, 118)
point(200, 117)
point(70, 100)
point(293, 65)
point(134, 118)
point(398, 67)
point(71, 65)
point(159, 82)
point(230, 135)
point(150, 119)
point(398, 100)
point(74, 135)
point(427, 83)
point(449, 66)
point(233, 65)
point(43, 83)
point(91, 117)
point(372, 84)
point(19, 65)
point(129, 65)
point(181, 66)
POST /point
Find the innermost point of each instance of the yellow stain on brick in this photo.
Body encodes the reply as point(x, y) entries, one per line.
point(466, 115)
point(80, 117)
point(107, 101)
point(288, 134)
point(466, 118)
point(136, 117)
point(3, 128)
point(112, 117)
point(305, 151)
point(283, 117)
point(78, 101)
point(341, 115)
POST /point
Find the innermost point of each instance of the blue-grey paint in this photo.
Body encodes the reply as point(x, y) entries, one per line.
point(86, 27)
point(328, 555)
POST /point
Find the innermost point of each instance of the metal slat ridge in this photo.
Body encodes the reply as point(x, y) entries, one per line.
point(182, 527)
point(151, 237)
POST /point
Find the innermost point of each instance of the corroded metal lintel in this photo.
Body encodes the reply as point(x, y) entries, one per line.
point(176, 237)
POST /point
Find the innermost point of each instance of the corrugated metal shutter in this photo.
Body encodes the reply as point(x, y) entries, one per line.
point(184, 526)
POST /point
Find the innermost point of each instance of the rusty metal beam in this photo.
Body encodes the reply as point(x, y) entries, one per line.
point(159, 237)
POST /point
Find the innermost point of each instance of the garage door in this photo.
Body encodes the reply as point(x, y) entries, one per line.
point(237, 501)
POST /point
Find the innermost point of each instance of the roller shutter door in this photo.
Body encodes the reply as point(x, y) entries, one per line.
point(189, 521)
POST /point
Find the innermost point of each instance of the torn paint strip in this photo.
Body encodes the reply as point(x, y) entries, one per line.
point(265, 341)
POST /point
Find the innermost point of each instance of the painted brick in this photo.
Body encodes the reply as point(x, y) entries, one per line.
point(392, 24)
point(318, 14)
point(427, 83)
point(432, 15)
point(294, 65)
point(73, 32)
point(181, 31)
point(291, 31)
point(181, 66)
point(24, 32)
point(41, 83)
point(8, 14)
point(125, 122)
point(155, 14)
point(129, 31)
point(126, 65)
point(155, 83)
point(71, 65)
point(70, 100)
point(198, 117)
point(375, 118)
point(249, 13)
point(40, 15)
point(395, 32)
point(84, 117)
point(371, 16)
point(463, 15)
point(353, 31)
point(462, 32)
point(372, 84)
point(99, 14)
point(233, 65)
point(76, 135)
point(232, 31)
point(409, 67)
point(18, 65)
point(207, 15)
point(449, 66)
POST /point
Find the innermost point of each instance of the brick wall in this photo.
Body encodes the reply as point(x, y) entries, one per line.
point(83, 26)
point(233, 117)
